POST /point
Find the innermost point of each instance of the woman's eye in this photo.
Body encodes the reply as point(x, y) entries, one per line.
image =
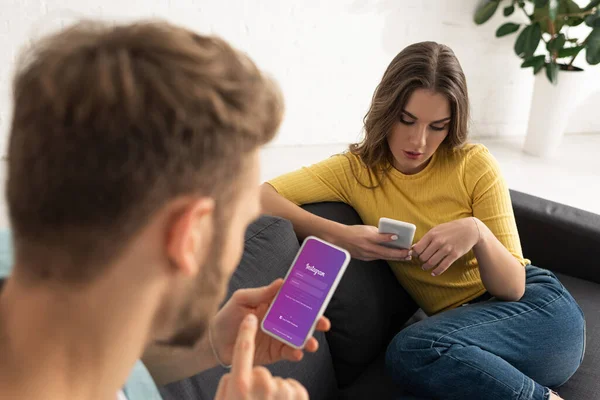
point(437, 128)
point(405, 122)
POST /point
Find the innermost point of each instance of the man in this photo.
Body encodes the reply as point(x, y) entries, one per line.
point(132, 176)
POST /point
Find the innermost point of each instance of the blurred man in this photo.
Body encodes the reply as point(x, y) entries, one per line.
point(132, 176)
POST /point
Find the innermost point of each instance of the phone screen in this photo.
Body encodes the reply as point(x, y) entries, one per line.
point(305, 291)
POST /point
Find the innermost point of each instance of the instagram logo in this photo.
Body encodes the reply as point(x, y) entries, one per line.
point(314, 270)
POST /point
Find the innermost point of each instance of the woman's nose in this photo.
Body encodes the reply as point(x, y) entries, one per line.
point(418, 137)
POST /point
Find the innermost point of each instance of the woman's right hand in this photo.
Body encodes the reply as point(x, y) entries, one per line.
point(364, 242)
point(249, 382)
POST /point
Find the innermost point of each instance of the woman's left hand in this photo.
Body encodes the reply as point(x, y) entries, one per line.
point(446, 243)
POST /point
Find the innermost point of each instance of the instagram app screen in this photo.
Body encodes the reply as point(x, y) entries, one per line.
point(304, 291)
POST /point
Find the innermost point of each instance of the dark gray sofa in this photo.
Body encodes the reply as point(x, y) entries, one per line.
point(369, 306)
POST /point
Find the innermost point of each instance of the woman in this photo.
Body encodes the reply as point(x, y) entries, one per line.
point(522, 332)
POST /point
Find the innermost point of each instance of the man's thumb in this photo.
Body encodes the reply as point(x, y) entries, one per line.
point(256, 296)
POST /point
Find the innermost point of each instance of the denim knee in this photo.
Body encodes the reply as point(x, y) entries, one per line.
point(395, 359)
point(407, 354)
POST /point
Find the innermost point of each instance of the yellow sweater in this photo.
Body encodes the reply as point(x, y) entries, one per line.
point(455, 184)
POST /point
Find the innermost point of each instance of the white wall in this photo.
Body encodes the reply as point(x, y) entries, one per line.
point(327, 55)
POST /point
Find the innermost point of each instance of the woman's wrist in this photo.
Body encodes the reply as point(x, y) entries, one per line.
point(481, 230)
point(328, 230)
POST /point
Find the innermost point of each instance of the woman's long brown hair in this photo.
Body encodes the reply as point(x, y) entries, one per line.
point(425, 65)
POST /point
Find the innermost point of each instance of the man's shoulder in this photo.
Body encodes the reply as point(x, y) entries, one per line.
point(140, 385)
point(6, 253)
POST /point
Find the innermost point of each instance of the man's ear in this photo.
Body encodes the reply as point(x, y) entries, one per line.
point(190, 235)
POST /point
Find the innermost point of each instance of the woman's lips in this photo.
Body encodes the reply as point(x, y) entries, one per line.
point(412, 154)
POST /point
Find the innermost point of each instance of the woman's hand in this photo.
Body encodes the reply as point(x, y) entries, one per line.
point(365, 243)
point(446, 243)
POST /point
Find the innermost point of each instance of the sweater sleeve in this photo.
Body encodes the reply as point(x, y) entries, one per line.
point(329, 180)
point(491, 201)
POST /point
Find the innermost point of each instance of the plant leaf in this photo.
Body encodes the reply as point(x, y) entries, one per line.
point(542, 15)
point(507, 29)
point(552, 72)
point(592, 4)
point(534, 62)
point(485, 11)
point(593, 20)
point(557, 43)
point(569, 51)
point(574, 21)
point(509, 10)
point(592, 47)
point(552, 9)
point(538, 67)
point(528, 41)
point(570, 7)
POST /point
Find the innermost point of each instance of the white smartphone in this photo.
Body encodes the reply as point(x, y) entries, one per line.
point(302, 299)
point(404, 230)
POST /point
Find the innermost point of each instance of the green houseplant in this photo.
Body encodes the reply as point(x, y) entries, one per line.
point(558, 92)
point(548, 21)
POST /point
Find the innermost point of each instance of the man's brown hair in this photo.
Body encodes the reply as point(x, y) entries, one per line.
point(112, 122)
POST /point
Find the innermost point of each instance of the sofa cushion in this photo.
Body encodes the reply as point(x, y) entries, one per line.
point(270, 248)
point(367, 309)
point(585, 384)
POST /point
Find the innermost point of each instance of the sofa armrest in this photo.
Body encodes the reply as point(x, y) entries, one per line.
point(558, 237)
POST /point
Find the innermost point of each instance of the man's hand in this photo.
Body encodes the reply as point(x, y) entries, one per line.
point(248, 382)
point(226, 323)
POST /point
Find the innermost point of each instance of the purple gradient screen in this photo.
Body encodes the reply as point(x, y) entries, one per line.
point(304, 291)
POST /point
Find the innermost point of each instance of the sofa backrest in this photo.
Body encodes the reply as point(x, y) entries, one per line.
point(558, 237)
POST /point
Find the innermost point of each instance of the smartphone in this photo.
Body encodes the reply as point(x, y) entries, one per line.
point(308, 286)
point(404, 230)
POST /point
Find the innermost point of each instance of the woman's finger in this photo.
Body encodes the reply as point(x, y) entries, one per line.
point(383, 237)
point(429, 251)
point(444, 265)
point(387, 253)
point(434, 260)
point(421, 245)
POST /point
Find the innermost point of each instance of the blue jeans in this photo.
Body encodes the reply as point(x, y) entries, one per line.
point(494, 349)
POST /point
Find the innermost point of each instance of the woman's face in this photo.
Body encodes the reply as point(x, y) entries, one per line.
point(419, 130)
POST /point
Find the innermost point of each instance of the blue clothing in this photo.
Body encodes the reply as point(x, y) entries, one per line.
point(493, 349)
point(139, 385)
